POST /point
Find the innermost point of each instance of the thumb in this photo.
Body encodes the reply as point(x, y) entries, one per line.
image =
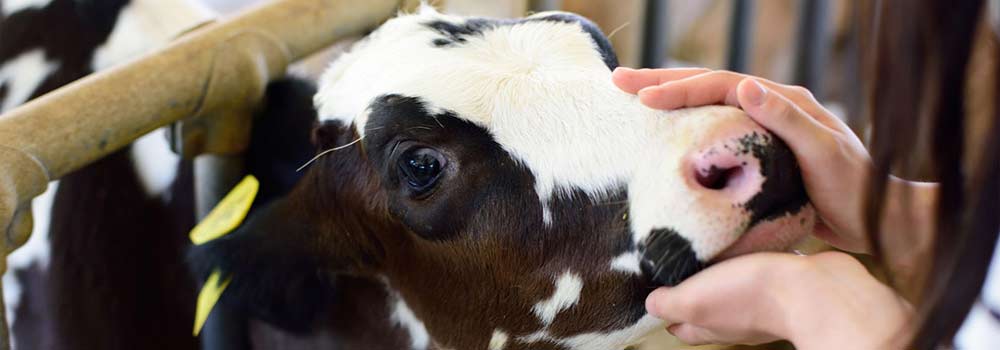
point(781, 116)
point(668, 304)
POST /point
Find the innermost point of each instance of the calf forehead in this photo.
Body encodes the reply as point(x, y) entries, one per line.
point(541, 88)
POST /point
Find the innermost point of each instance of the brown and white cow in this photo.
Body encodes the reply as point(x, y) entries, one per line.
point(488, 187)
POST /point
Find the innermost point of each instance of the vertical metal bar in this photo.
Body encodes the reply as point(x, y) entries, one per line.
point(994, 6)
point(811, 45)
point(851, 85)
point(740, 35)
point(654, 34)
point(214, 176)
point(545, 5)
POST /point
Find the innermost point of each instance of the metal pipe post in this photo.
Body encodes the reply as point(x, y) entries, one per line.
point(545, 5)
point(740, 36)
point(214, 176)
point(811, 45)
point(655, 33)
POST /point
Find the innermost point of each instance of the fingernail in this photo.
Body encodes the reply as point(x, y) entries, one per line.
point(756, 94)
point(653, 299)
point(624, 69)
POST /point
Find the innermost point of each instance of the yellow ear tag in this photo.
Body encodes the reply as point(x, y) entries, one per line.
point(223, 219)
point(228, 214)
point(209, 295)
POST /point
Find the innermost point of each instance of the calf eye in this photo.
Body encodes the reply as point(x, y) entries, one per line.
point(421, 167)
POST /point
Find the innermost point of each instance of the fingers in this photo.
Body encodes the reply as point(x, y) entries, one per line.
point(692, 87)
point(632, 80)
point(691, 334)
point(804, 135)
point(663, 304)
point(697, 90)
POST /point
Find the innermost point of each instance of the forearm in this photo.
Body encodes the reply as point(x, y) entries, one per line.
point(907, 228)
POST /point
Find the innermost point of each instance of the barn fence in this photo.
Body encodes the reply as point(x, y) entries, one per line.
point(218, 73)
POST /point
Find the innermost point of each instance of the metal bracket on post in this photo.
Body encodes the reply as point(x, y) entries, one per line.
point(216, 136)
point(23, 179)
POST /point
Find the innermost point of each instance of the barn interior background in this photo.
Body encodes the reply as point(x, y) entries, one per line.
point(806, 42)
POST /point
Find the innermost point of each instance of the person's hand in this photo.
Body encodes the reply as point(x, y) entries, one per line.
point(834, 162)
point(824, 301)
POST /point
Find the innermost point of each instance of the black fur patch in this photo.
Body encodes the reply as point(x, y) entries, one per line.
point(280, 140)
point(783, 192)
point(271, 279)
point(456, 34)
point(69, 31)
point(668, 258)
point(3, 93)
point(396, 118)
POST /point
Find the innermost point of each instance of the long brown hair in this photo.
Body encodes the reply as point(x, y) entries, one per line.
point(917, 101)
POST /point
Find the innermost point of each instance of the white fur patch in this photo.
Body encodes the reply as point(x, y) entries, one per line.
point(567, 293)
point(540, 88)
point(154, 162)
point(11, 6)
point(22, 76)
point(36, 250)
point(404, 317)
point(144, 25)
point(499, 340)
point(616, 339)
point(627, 263)
point(545, 94)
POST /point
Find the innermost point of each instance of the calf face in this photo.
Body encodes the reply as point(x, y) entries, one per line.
point(505, 192)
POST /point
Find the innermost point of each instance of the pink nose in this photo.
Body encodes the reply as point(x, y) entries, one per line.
point(749, 167)
point(726, 171)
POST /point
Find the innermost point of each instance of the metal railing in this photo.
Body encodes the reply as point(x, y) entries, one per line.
point(208, 80)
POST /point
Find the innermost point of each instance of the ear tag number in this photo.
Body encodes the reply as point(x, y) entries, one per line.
point(223, 219)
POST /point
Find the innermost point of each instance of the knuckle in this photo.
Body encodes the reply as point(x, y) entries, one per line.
point(802, 91)
point(781, 109)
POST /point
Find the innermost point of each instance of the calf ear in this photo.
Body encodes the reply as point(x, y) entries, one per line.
point(601, 41)
point(282, 268)
point(276, 276)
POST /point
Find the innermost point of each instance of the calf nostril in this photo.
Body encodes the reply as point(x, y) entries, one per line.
point(715, 178)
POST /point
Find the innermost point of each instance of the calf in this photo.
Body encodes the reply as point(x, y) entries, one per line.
point(483, 185)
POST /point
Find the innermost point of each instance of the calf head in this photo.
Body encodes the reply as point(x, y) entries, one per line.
point(507, 194)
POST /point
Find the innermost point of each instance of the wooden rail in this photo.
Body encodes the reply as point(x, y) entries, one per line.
point(209, 80)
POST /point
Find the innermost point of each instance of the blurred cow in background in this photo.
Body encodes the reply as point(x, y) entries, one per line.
point(106, 272)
